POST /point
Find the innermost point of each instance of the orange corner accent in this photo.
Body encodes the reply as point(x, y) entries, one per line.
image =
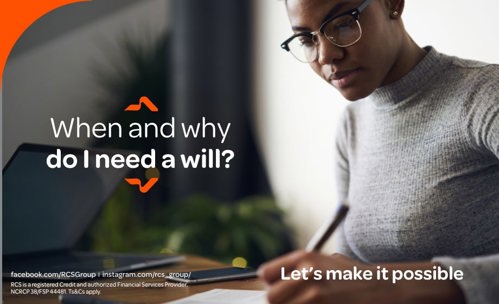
point(16, 16)
point(142, 188)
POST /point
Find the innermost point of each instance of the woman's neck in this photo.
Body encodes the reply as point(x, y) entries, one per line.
point(409, 56)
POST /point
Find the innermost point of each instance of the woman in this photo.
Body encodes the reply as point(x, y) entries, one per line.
point(417, 159)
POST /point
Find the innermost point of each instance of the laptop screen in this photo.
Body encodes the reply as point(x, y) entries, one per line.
point(49, 209)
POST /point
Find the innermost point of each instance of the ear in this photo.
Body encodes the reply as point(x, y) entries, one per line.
point(394, 8)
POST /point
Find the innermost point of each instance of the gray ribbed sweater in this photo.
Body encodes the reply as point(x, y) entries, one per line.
point(419, 163)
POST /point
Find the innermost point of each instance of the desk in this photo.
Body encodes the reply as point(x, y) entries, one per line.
point(145, 295)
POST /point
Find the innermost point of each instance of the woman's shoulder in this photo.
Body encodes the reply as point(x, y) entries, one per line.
point(471, 68)
point(470, 79)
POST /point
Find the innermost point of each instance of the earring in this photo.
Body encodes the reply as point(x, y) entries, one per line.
point(395, 13)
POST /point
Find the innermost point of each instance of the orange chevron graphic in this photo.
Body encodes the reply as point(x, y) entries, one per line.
point(134, 107)
point(137, 182)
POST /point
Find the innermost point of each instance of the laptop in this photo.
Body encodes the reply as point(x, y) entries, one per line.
point(46, 211)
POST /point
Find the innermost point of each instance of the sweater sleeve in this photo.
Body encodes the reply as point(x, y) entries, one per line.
point(342, 177)
point(341, 156)
point(480, 284)
point(482, 114)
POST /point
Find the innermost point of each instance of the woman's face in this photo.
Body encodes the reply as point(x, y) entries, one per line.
point(356, 71)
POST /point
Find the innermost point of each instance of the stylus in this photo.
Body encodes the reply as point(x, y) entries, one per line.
point(327, 229)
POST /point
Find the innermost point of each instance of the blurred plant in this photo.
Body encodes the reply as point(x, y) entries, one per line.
point(252, 228)
point(139, 67)
point(121, 227)
point(133, 66)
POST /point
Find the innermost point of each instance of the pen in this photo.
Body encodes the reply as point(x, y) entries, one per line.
point(325, 231)
point(81, 299)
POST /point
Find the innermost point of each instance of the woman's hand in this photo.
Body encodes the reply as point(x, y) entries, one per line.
point(316, 291)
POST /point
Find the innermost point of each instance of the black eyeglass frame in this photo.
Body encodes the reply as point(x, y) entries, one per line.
point(355, 13)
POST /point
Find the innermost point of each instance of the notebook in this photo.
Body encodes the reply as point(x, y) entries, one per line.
point(46, 211)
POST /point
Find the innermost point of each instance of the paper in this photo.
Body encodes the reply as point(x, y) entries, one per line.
point(222, 296)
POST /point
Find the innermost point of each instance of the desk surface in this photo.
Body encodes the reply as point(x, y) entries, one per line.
point(145, 295)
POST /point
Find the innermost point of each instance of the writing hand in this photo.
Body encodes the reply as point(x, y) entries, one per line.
point(317, 291)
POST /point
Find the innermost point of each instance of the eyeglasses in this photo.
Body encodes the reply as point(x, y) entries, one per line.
point(341, 30)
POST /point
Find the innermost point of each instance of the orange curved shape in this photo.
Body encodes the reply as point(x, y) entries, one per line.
point(16, 16)
point(142, 188)
point(144, 100)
